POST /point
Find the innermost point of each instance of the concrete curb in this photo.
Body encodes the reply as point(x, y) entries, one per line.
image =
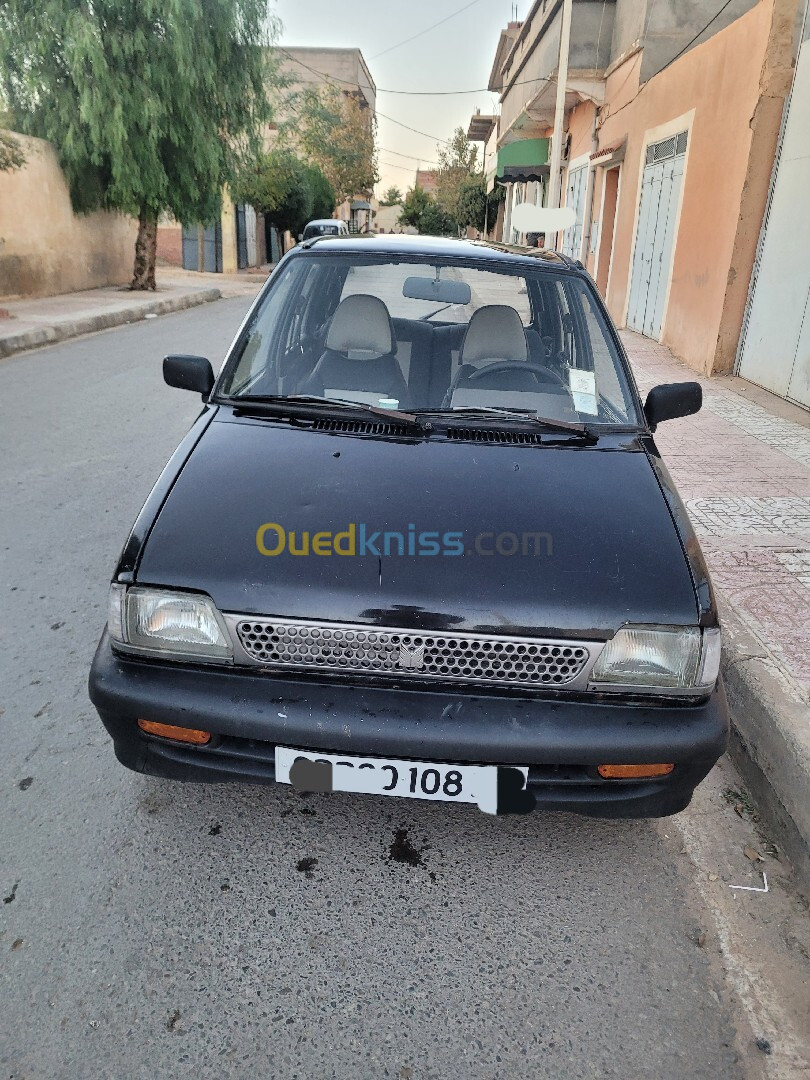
point(49, 335)
point(770, 738)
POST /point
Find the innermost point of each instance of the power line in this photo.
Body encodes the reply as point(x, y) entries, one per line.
point(455, 93)
point(416, 131)
point(392, 165)
point(407, 93)
point(413, 157)
point(669, 63)
point(427, 30)
point(678, 55)
point(342, 82)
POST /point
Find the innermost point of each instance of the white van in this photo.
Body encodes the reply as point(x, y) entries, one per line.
point(325, 227)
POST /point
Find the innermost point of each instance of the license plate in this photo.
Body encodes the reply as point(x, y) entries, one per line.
point(402, 778)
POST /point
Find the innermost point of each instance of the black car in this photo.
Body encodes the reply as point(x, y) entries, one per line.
point(420, 542)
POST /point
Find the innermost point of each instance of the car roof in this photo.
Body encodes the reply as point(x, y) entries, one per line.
point(325, 221)
point(405, 244)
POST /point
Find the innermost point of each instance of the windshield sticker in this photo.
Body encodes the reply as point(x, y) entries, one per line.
point(583, 390)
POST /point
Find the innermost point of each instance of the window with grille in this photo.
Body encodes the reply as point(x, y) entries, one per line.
point(667, 148)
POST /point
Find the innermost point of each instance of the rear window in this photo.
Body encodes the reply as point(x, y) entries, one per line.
point(486, 288)
point(321, 230)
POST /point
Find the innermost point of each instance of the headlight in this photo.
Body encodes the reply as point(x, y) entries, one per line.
point(666, 657)
point(180, 625)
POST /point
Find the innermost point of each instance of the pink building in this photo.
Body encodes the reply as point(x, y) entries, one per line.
point(672, 119)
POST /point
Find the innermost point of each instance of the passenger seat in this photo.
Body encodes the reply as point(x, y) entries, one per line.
point(359, 362)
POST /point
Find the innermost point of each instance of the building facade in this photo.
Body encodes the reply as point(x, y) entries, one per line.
point(311, 67)
point(427, 180)
point(671, 125)
point(243, 238)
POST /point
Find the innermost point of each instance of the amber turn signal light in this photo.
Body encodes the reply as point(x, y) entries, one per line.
point(633, 772)
point(179, 734)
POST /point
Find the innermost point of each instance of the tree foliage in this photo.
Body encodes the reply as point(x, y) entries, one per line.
point(284, 188)
point(337, 134)
point(458, 159)
point(474, 207)
point(392, 197)
point(11, 153)
point(413, 207)
point(324, 200)
point(151, 104)
point(421, 211)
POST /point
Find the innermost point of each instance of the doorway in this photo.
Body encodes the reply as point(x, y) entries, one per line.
point(655, 237)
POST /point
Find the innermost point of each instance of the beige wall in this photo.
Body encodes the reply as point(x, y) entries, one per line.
point(387, 217)
point(580, 128)
point(170, 241)
point(713, 92)
point(228, 220)
point(44, 247)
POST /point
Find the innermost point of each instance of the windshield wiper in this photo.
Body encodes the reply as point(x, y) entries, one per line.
point(430, 314)
point(584, 431)
point(278, 404)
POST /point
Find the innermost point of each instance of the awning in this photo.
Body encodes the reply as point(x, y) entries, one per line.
point(361, 204)
point(610, 155)
point(522, 174)
point(523, 160)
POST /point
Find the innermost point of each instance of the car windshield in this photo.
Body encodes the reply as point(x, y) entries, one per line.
point(432, 335)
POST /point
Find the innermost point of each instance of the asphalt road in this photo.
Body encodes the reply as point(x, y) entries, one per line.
point(150, 929)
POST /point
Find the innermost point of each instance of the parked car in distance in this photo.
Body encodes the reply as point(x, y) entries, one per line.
point(324, 227)
point(420, 542)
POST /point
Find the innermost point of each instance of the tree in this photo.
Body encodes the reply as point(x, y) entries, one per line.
point(323, 194)
point(285, 189)
point(457, 161)
point(436, 221)
point(392, 197)
point(413, 207)
point(151, 104)
point(337, 134)
point(474, 206)
point(422, 212)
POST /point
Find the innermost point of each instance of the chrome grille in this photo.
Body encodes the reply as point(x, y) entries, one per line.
point(335, 647)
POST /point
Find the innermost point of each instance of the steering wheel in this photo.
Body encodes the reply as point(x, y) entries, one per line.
point(543, 374)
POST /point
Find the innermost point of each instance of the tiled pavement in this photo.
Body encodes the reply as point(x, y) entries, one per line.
point(744, 474)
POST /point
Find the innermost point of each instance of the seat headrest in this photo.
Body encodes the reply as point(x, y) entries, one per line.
point(361, 324)
point(495, 333)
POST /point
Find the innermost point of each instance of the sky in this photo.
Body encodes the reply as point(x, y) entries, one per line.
point(457, 55)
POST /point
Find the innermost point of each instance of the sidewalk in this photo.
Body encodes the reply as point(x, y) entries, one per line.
point(31, 323)
point(742, 466)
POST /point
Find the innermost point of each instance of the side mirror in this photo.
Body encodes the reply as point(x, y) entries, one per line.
point(300, 237)
point(189, 373)
point(670, 400)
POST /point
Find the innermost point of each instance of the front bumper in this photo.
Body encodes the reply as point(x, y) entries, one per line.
point(562, 741)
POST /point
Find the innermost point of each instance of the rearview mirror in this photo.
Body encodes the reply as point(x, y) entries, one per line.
point(670, 400)
point(189, 373)
point(443, 292)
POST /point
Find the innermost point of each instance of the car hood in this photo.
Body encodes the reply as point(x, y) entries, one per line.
point(607, 552)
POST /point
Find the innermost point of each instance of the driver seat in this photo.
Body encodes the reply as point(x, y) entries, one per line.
point(495, 337)
point(495, 334)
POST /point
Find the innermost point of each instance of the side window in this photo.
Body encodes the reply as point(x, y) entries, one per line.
point(292, 338)
point(264, 345)
point(566, 337)
point(613, 392)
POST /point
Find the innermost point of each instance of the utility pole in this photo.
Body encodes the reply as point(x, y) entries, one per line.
point(559, 115)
